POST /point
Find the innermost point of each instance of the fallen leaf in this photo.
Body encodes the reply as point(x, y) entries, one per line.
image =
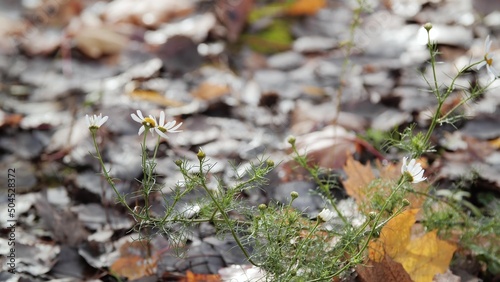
point(208, 91)
point(421, 257)
point(359, 177)
point(233, 14)
point(96, 42)
point(133, 262)
point(361, 183)
point(386, 270)
point(133, 267)
point(305, 7)
point(148, 13)
point(197, 277)
point(154, 97)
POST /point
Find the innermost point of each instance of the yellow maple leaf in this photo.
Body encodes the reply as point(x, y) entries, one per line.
point(421, 257)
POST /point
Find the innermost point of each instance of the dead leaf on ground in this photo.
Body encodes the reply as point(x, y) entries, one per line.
point(133, 262)
point(154, 97)
point(233, 14)
point(148, 13)
point(386, 270)
point(96, 42)
point(328, 147)
point(421, 257)
point(197, 277)
point(361, 185)
point(209, 91)
point(305, 7)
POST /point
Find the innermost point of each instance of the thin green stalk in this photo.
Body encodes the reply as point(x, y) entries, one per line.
point(299, 249)
point(121, 199)
point(225, 216)
point(303, 163)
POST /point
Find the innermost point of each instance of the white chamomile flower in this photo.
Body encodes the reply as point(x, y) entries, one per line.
point(488, 60)
point(170, 126)
point(95, 121)
point(413, 171)
point(325, 215)
point(149, 122)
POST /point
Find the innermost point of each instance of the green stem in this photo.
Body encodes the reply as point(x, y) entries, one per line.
point(225, 216)
point(303, 163)
point(121, 199)
point(299, 249)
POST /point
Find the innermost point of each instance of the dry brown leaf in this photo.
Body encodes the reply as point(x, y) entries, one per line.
point(154, 97)
point(305, 7)
point(359, 178)
point(196, 277)
point(421, 257)
point(209, 91)
point(387, 270)
point(329, 147)
point(134, 267)
point(148, 13)
point(361, 186)
point(96, 42)
point(133, 263)
point(233, 14)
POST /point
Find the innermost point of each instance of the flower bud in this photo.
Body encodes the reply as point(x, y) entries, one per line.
point(405, 202)
point(270, 163)
point(372, 215)
point(262, 207)
point(428, 26)
point(291, 139)
point(178, 163)
point(201, 155)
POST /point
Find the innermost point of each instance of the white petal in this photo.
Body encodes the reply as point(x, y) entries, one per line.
point(161, 133)
point(136, 118)
point(88, 120)
point(162, 118)
point(103, 120)
point(174, 129)
point(487, 44)
point(139, 114)
point(141, 130)
point(403, 166)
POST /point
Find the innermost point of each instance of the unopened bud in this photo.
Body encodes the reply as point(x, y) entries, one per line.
point(291, 140)
point(178, 163)
point(269, 163)
point(405, 203)
point(262, 207)
point(428, 26)
point(294, 195)
point(201, 155)
point(372, 215)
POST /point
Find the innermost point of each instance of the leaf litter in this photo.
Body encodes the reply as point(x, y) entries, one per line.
point(58, 64)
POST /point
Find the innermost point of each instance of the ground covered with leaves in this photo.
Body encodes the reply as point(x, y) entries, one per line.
point(343, 77)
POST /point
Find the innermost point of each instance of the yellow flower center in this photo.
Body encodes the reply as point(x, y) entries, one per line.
point(162, 129)
point(149, 122)
point(488, 61)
